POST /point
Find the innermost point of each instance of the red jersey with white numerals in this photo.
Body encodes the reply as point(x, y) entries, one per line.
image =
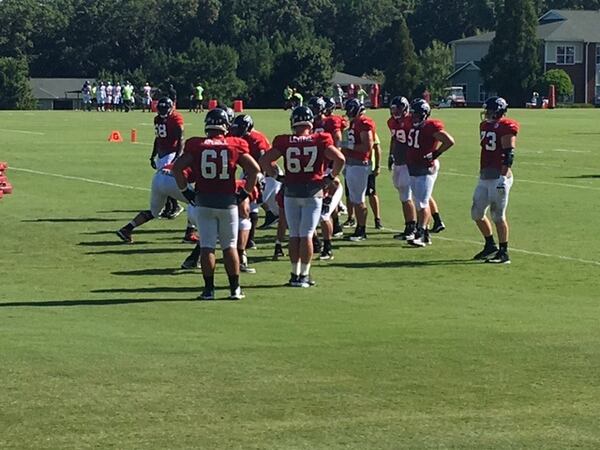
point(304, 156)
point(331, 124)
point(360, 124)
point(421, 142)
point(258, 143)
point(492, 155)
point(215, 162)
point(167, 132)
point(399, 128)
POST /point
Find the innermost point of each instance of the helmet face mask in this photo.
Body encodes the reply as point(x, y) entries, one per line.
point(420, 111)
point(301, 116)
point(354, 107)
point(317, 105)
point(399, 107)
point(493, 109)
point(329, 106)
point(217, 120)
point(164, 107)
point(241, 125)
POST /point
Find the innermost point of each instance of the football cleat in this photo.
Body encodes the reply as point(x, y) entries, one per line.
point(338, 234)
point(190, 238)
point(342, 209)
point(247, 269)
point(294, 280)
point(207, 294)
point(236, 294)
point(125, 235)
point(486, 252)
point(251, 245)
point(270, 220)
point(438, 227)
point(305, 281)
point(356, 237)
point(326, 255)
point(190, 263)
point(406, 235)
point(501, 257)
point(350, 223)
point(278, 252)
point(172, 214)
point(378, 224)
point(418, 241)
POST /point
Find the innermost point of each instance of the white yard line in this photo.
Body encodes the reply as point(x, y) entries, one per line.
point(87, 180)
point(37, 133)
point(465, 241)
point(512, 249)
point(520, 180)
point(570, 151)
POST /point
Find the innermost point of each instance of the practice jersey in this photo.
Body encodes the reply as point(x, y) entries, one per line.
point(215, 163)
point(399, 128)
point(491, 134)
point(421, 142)
point(304, 161)
point(331, 124)
point(258, 143)
point(166, 131)
point(358, 125)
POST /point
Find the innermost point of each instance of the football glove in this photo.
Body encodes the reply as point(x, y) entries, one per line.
point(189, 195)
point(152, 163)
point(501, 187)
point(390, 162)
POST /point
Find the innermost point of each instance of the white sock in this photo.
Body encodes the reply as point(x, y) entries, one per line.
point(296, 268)
point(304, 269)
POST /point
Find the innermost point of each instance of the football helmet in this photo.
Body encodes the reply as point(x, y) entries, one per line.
point(329, 106)
point(399, 107)
point(227, 110)
point(302, 115)
point(354, 107)
point(242, 125)
point(494, 108)
point(316, 105)
point(164, 107)
point(420, 111)
point(216, 119)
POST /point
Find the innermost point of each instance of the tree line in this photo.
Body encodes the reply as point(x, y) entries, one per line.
point(251, 49)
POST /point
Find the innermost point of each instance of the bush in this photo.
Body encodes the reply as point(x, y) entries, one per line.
point(560, 79)
point(15, 91)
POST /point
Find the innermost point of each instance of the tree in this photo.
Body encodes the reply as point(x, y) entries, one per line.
point(436, 61)
point(15, 91)
point(561, 80)
point(403, 71)
point(512, 65)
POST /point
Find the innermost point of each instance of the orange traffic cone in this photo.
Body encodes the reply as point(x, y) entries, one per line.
point(3, 166)
point(115, 136)
point(6, 188)
point(133, 135)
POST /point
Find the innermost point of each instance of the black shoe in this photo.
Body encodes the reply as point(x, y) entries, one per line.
point(501, 257)
point(487, 251)
point(250, 244)
point(438, 227)
point(349, 223)
point(378, 224)
point(304, 281)
point(236, 294)
point(326, 255)
point(278, 252)
point(207, 294)
point(358, 236)
point(191, 262)
point(407, 235)
point(270, 219)
point(294, 280)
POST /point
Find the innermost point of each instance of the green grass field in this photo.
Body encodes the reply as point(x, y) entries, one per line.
point(102, 345)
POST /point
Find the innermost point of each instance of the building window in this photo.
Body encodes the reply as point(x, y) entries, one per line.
point(598, 54)
point(565, 54)
point(482, 94)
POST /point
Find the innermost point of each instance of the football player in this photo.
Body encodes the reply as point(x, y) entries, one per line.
point(163, 186)
point(213, 160)
point(305, 156)
point(168, 144)
point(498, 141)
point(357, 150)
point(426, 141)
point(243, 127)
point(399, 124)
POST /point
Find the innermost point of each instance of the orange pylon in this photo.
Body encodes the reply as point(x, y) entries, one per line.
point(115, 136)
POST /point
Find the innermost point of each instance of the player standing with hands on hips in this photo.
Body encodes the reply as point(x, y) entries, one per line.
point(498, 139)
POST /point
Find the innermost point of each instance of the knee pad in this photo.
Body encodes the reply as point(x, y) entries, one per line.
point(245, 224)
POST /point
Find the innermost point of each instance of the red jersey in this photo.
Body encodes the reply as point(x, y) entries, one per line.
point(166, 131)
point(254, 195)
point(304, 161)
point(421, 142)
point(399, 128)
point(215, 163)
point(258, 143)
point(331, 124)
point(491, 145)
point(359, 124)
